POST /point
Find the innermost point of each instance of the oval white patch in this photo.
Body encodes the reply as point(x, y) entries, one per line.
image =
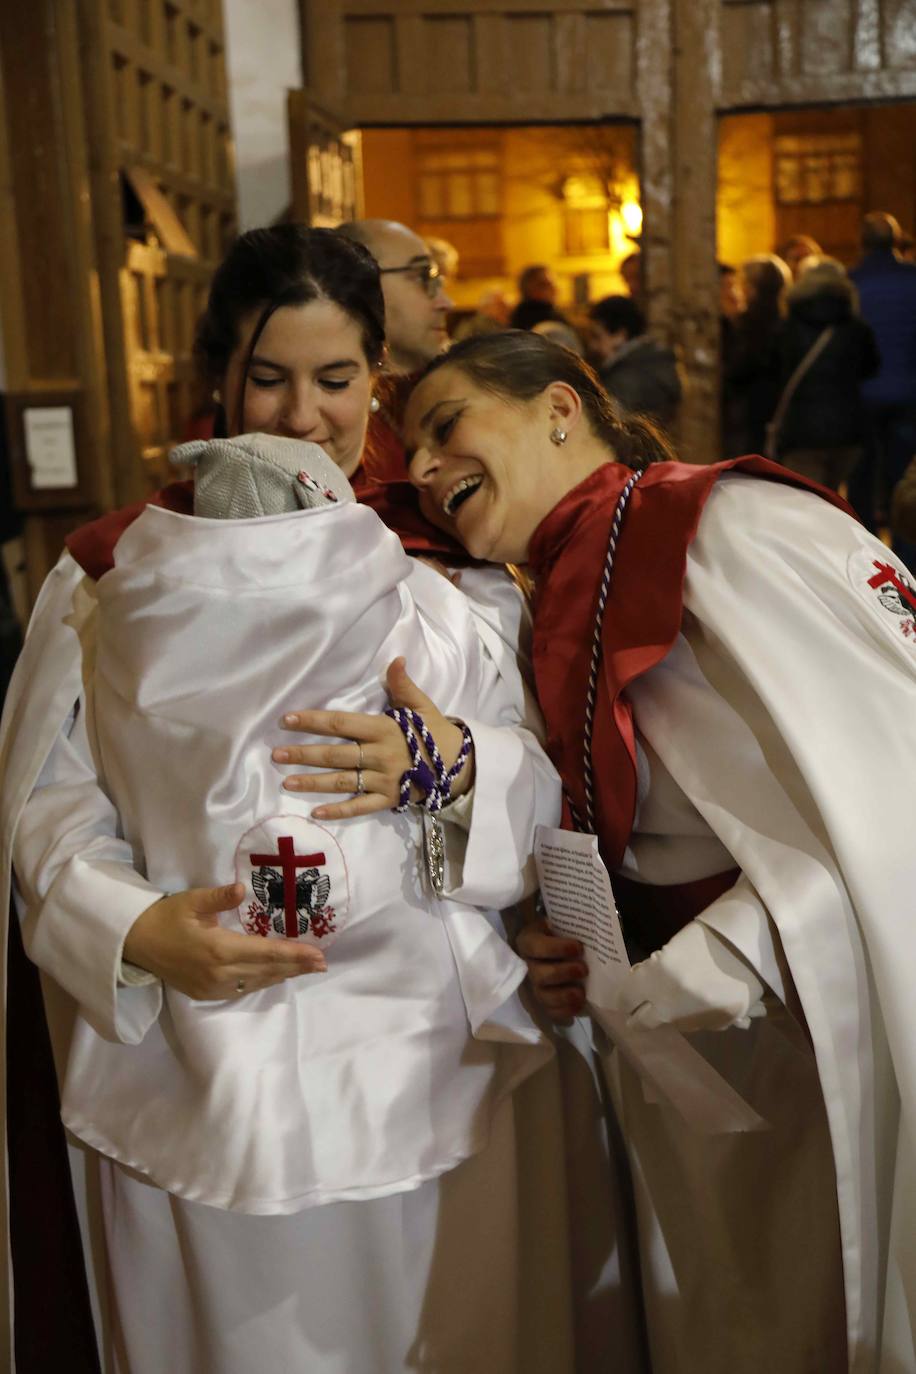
point(295, 878)
point(888, 591)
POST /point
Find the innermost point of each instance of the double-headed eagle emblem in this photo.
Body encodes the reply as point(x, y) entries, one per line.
point(312, 892)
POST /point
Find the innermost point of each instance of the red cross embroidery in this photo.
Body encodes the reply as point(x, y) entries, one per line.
point(289, 861)
point(886, 573)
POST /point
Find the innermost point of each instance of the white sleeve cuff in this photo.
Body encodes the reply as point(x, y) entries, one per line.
point(740, 918)
point(515, 789)
point(460, 811)
point(84, 956)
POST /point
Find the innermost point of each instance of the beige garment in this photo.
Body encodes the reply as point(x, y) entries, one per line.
point(738, 1234)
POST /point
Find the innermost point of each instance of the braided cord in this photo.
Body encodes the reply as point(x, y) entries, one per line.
point(434, 784)
point(595, 665)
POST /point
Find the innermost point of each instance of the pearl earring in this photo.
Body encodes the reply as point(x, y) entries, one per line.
point(558, 436)
point(375, 405)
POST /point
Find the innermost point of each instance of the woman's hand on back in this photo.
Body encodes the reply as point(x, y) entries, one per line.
point(384, 753)
point(180, 940)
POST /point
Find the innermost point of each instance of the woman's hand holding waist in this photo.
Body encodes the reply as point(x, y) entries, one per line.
point(377, 756)
point(179, 939)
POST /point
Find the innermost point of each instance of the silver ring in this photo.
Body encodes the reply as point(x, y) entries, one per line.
point(240, 985)
point(360, 790)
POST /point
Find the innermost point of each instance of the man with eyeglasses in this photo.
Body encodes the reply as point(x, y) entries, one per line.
point(416, 308)
point(416, 304)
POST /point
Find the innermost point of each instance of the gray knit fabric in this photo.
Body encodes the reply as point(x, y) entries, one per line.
point(260, 474)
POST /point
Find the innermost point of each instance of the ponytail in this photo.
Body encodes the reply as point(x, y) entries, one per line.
point(518, 365)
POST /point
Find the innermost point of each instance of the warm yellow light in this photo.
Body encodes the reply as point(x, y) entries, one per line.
point(631, 214)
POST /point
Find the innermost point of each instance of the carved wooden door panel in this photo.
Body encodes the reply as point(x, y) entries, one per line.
point(164, 204)
point(150, 368)
point(325, 169)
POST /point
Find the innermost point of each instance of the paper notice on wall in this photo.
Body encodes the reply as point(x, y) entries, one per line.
point(49, 446)
point(577, 896)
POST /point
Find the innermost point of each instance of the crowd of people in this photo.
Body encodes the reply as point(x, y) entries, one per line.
point(277, 756)
point(819, 370)
point(818, 364)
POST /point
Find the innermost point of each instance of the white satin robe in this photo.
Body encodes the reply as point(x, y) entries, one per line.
point(426, 989)
point(779, 736)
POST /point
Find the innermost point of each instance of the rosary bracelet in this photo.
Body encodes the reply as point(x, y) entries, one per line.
point(434, 784)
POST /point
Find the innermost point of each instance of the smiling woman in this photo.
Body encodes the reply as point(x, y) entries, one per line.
point(299, 1086)
point(472, 416)
point(704, 638)
point(293, 337)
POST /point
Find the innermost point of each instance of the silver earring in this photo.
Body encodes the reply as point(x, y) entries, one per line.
point(375, 405)
point(558, 436)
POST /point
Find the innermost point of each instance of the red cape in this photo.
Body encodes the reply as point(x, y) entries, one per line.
point(641, 623)
point(381, 483)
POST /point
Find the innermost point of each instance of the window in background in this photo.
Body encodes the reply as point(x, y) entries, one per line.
point(586, 226)
point(814, 168)
point(460, 183)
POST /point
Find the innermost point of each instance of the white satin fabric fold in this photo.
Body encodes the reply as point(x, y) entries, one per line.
point(360, 1082)
point(792, 677)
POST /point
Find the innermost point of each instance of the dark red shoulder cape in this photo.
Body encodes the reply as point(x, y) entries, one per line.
point(641, 623)
point(381, 483)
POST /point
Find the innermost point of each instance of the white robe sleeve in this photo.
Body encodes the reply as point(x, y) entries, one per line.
point(490, 844)
point(742, 921)
point(80, 890)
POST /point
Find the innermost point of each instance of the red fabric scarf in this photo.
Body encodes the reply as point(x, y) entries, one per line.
point(641, 622)
point(380, 483)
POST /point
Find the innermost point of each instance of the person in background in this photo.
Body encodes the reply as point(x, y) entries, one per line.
point(631, 272)
point(903, 506)
point(887, 296)
point(795, 249)
point(492, 315)
point(537, 288)
point(636, 370)
point(446, 257)
point(820, 417)
point(416, 315)
point(562, 334)
point(754, 371)
point(731, 307)
point(416, 304)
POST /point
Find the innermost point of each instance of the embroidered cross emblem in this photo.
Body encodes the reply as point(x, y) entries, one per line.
point(289, 861)
point(886, 573)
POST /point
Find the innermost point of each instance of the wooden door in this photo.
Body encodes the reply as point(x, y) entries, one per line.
point(164, 193)
point(671, 65)
point(326, 177)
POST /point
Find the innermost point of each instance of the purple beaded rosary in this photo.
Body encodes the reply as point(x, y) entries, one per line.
point(434, 783)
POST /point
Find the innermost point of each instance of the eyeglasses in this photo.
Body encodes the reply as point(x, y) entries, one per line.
point(425, 274)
